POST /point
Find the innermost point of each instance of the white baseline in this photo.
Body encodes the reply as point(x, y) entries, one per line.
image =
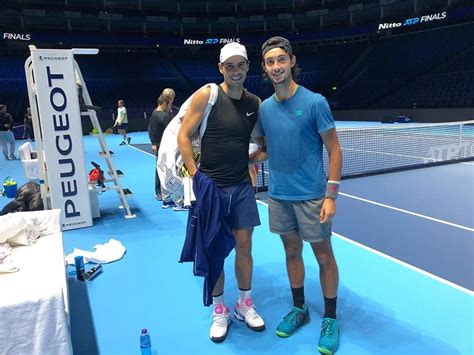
point(408, 212)
point(397, 261)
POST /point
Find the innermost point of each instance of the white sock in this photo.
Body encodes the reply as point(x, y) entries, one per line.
point(243, 295)
point(218, 299)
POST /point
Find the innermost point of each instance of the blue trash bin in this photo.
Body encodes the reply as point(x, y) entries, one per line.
point(10, 190)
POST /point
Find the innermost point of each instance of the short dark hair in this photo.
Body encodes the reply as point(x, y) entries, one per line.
point(163, 99)
point(283, 43)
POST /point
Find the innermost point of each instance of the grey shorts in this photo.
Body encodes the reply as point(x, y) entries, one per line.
point(298, 216)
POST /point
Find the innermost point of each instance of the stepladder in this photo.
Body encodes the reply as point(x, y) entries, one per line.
point(54, 83)
point(111, 177)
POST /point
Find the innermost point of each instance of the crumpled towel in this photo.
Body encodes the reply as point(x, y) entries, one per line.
point(23, 228)
point(7, 264)
point(104, 253)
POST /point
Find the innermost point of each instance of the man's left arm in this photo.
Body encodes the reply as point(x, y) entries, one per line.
point(152, 133)
point(331, 142)
point(10, 120)
point(260, 155)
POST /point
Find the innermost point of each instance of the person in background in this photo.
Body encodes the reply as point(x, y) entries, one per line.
point(28, 122)
point(171, 94)
point(7, 138)
point(176, 202)
point(122, 122)
point(158, 122)
point(170, 200)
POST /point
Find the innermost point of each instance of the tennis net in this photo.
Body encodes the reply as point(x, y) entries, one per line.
point(377, 150)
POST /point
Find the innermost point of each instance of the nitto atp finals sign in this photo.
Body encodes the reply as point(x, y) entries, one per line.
point(210, 41)
point(413, 21)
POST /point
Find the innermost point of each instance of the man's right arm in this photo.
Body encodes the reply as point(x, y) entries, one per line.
point(120, 118)
point(191, 121)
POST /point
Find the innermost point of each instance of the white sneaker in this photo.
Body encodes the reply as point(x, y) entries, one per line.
point(220, 323)
point(246, 312)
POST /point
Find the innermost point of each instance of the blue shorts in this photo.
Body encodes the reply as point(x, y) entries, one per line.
point(240, 206)
point(123, 126)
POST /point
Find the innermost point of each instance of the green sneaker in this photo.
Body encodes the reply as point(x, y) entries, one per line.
point(329, 339)
point(292, 321)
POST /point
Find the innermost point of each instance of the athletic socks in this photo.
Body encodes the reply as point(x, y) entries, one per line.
point(330, 304)
point(243, 294)
point(330, 307)
point(298, 297)
point(219, 299)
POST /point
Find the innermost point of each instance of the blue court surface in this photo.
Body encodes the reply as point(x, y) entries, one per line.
point(404, 244)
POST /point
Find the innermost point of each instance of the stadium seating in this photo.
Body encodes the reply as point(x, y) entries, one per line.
point(429, 69)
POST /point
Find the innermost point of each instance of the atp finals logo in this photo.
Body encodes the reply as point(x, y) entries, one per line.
point(16, 36)
point(211, 41)
point(413, 21)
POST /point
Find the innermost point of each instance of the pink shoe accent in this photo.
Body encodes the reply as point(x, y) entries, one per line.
point(220, 308)
point(248, 302)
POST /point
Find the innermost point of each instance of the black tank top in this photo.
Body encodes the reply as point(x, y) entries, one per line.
point(225, 144)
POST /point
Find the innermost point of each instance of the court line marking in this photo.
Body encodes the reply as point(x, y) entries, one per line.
point(408, 212)
point(140, 150)
point(399, 262)
point(409, 266)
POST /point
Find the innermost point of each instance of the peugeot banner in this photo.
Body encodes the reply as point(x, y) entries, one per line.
point(60, 122)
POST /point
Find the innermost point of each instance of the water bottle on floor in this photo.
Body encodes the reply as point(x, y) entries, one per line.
point(145, 342)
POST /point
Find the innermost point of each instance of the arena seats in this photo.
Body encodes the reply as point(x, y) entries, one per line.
point(389, 72)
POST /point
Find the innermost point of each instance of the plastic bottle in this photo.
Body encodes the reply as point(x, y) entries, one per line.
point(145, 342)
point(79, 263)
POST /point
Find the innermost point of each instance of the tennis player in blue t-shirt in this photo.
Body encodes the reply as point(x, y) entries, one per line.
point(295, 124)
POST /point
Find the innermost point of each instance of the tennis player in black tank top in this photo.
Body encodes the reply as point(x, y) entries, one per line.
point(224, 152)
point(224, 158)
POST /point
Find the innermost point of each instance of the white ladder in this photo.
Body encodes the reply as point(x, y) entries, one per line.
point(113, 182)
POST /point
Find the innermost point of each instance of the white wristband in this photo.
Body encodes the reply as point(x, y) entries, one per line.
point(332, 189)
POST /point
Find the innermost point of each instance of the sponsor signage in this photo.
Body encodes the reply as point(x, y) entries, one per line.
point(413, 21)
point(16, 36)
point(60, 121)
point(450, 151)
point(220, 41)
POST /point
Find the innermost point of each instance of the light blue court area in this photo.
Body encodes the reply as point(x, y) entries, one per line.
point(384, 307)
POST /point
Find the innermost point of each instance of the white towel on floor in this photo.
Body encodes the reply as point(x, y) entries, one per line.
point(104, 253)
